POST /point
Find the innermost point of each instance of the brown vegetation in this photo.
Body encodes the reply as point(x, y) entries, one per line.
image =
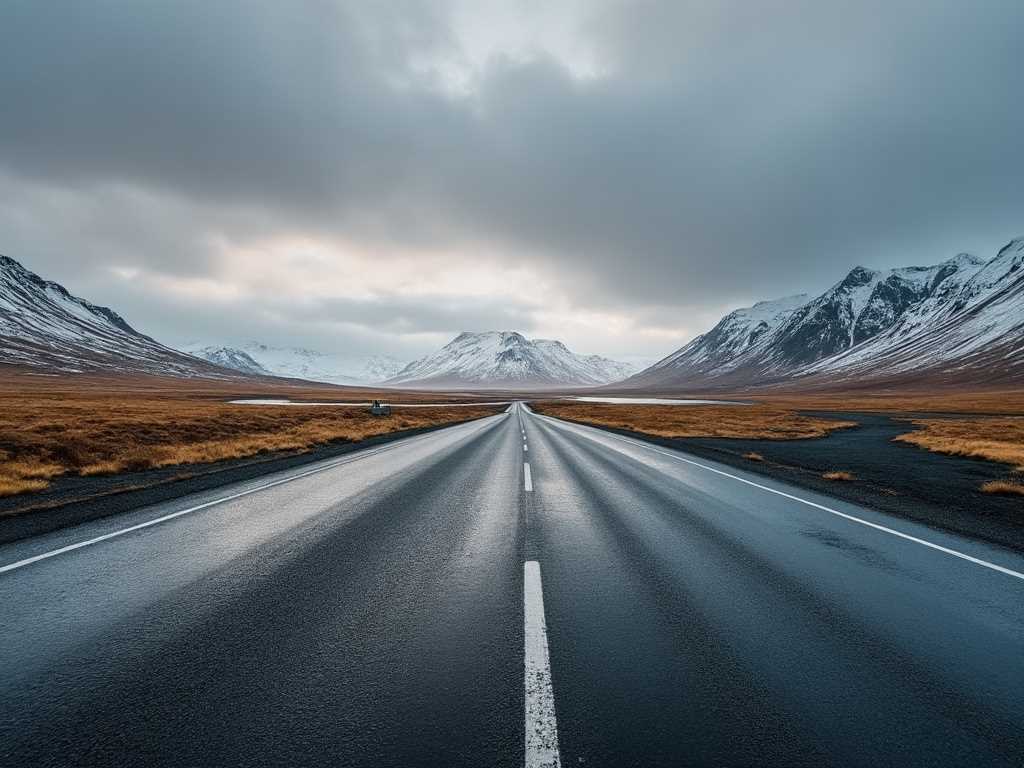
point(753, 456)
point(900, 399)
point(11, 486)
point(741, 421)
point(996, 439)
point(838, 475)
point(97, 427)
point(1003, 486)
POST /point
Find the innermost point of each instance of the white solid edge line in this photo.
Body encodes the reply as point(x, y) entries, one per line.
point(121, 532)
point(527, 477)
point(852, 518)
point(541, 725)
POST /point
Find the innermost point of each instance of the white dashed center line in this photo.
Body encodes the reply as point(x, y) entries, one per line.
point(541, 726)
point(527, 479)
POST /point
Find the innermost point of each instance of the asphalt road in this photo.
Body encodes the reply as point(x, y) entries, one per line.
point(510, 591)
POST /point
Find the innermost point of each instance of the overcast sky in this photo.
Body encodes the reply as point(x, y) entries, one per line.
point(377, 176)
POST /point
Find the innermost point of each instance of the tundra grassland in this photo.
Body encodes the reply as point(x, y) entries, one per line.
point(898, 399)
point(756, 421)
point(994, 438)
point(53, 426)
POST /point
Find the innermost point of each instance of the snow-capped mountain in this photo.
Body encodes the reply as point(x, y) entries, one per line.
point(229, 357)
point(299, 363)
point(741, 335)
point(958, 321)
point(506, 359)
point(43, 326)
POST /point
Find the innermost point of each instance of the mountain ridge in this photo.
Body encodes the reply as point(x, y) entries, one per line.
point(958, 320)
point(300, 362)
point(507, 359)
point(45, 326)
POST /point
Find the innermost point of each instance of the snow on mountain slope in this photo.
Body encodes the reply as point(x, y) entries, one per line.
point(506, 359)
point(863, 305)
point(301, 363)
point(229, 357)
point(973, 329)
point(741, 334)
point(958, 320)
point(43, 326)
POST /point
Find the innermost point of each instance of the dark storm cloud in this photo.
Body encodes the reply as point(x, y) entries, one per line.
point(230, 102)
point(790, 135)
point(725, 151)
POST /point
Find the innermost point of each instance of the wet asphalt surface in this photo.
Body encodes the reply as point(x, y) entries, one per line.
point(372, 614)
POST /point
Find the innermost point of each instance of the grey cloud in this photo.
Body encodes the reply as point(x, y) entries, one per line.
point(402, 326)
point(730, 151)
point(407, 315)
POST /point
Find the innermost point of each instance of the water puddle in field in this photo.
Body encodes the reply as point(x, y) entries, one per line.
point(282, 401)
point(654, 401)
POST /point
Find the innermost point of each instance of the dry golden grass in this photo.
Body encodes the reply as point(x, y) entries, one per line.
point(741, 421)
point(21, 475)
point(81, 427)
point(11, 486)
point(753, 456)
point(996, 438)
point(32, 469)
point(838, 475)
point(1003, 486)
point(900, 399)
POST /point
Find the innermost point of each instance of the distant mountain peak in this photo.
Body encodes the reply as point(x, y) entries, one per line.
point(859, 276)
point(965, 259)
point(1015, 245)
point(508, 359)
point(230, 357)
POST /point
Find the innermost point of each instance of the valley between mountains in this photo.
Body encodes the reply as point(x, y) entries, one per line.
point(95, 408)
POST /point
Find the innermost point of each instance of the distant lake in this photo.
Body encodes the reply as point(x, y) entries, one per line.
point(654, 401)
point(280, 401)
